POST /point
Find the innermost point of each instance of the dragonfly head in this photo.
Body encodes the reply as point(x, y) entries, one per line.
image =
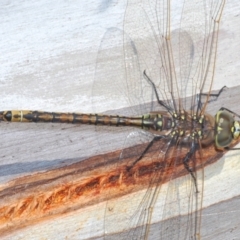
point(226, 129)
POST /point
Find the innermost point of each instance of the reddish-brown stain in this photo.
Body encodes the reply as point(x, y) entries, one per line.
point(89, 182)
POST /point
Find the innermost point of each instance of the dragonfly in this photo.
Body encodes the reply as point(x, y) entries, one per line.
point(166, 60)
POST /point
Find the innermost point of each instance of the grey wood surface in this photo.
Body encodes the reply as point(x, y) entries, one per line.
point(48, 56)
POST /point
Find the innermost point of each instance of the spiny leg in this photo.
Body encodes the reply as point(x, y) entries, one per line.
point(186, 160)
point(155, 139)
point(155, 91)
point(216, 95)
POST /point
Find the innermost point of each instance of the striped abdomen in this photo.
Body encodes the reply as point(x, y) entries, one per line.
point(152, 121)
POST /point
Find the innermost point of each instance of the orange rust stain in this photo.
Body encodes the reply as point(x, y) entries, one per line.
point(24, 205)
point(86, 185)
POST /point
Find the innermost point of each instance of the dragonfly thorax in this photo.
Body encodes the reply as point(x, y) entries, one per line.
point(182, 125)
point(191, 126)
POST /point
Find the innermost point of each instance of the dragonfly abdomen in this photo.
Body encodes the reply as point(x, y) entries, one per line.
point(74, 118)
point(152, 121)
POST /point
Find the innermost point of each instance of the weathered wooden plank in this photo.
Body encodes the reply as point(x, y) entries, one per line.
point(47, 63)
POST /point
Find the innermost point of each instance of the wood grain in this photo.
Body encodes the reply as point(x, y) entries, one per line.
point(48, 61)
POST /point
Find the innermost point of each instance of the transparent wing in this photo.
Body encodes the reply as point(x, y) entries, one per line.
point(200, 19)
point(112, 84)
point(177, 54)
point(129, 215)
point(168, 207)
point(125, 215)
point(179, 59)
point(183, 202)
point(110, 89)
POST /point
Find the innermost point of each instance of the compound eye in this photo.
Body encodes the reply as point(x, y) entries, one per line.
point(223, 129)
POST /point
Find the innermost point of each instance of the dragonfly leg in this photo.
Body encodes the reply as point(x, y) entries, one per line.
point(186, 160)
point(155, 90)
point(216, 95)
point(155, 139)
